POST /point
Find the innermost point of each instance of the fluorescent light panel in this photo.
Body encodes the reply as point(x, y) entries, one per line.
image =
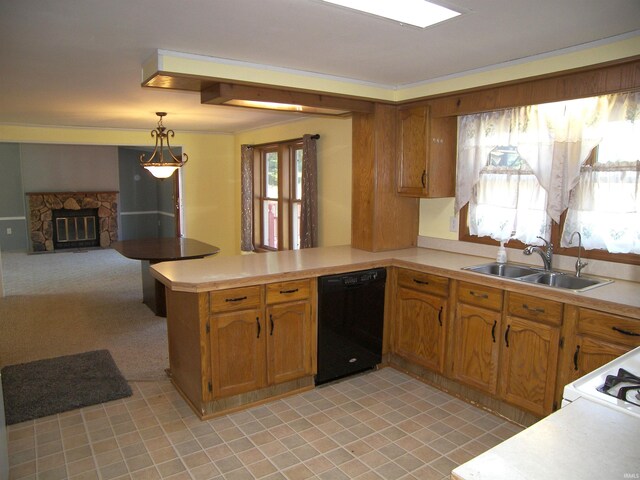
point(413, 12)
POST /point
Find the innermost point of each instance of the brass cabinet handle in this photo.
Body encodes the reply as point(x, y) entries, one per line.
point(575, 358)
point(532, 309)
point(259, 327)
point(493, 331)
point(289, 291)
point(271, 320)
point(625, 332)
point(479, 295)
point(423, 179)
point(440, 316)
point(237, 299)
point(506, 336)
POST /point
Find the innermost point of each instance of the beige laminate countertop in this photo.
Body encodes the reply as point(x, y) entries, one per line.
point(215, 273)
point(584, 440)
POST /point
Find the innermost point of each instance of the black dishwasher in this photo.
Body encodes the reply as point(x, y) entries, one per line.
point(350, 320)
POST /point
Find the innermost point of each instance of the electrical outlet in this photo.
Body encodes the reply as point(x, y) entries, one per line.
point(9, 231)
point(453, 224)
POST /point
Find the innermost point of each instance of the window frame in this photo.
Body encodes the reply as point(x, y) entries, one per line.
point(286, 193)
point(556, 234)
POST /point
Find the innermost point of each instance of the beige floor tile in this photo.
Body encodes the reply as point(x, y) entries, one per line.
point(381, 425)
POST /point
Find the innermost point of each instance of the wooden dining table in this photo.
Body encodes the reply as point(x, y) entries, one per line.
point(154, 250)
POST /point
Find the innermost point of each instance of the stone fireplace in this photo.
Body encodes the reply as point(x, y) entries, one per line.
point(72, 205)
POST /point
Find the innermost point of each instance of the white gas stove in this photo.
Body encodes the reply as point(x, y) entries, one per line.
point(620, 377)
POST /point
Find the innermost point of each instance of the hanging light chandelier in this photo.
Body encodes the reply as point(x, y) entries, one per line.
point(161, 168)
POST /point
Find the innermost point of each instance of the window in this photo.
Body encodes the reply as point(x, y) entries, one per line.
point(605, 204)
point(279, 195)
point(549, 170)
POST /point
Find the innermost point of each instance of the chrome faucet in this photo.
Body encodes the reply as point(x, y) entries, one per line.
point(546, 253)
point(579, 263)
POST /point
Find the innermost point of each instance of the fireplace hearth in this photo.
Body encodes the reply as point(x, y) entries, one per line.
point(72, 220)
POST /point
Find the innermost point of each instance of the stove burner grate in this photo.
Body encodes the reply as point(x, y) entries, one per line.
point(623, 386)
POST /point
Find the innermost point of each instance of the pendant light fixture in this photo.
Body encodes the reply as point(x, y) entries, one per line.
point(161, 168)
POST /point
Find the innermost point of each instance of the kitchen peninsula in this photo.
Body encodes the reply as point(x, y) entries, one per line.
point(225, 352)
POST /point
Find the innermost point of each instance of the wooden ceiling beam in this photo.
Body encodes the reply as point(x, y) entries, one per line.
point(219, 93)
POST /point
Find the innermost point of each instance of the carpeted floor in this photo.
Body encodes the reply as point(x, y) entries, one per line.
point(64, 303)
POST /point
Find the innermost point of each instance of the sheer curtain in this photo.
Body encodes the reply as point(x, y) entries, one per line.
point(508, 205)
point(605, 205)
point(605, 209)
point(246, 201)
point(309, 200)
point(554, 139)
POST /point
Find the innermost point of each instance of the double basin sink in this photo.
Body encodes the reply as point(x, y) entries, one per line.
point(539, 276)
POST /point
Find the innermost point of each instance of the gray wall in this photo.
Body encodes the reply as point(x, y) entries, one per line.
point(146, 203)
point(69, 168)
point(13, 222)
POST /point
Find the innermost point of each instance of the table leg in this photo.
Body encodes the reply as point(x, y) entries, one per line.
point(153, 294)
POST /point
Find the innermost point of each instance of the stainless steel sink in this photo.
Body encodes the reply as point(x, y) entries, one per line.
point(537, 276)
point(503, 270)
point(563, 280)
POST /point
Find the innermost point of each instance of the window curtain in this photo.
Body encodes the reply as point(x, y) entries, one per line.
point(246, 202)
point(554, 139)
point(605, 209)
point(605, 205)
point(309, 200)
point(509, 204)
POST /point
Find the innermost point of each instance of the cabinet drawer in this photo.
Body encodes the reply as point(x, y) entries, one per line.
point(424, 282)
point(480, 296)
point(288, 291)
point(235, 299)
point(533, 308)
point(620, 330)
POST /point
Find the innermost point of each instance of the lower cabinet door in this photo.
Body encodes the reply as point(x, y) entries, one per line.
point(476, 347)
point(288, 341)
point(529, 362)
point(591, 353)
point(421, 321)
point(238, 352)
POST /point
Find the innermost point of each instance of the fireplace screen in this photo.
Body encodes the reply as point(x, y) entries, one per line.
point(75, 228)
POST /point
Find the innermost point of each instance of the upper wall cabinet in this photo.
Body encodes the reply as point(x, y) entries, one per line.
point(427, 154)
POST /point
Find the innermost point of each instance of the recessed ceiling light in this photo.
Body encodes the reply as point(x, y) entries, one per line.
point(413, 12)
point(287, 107)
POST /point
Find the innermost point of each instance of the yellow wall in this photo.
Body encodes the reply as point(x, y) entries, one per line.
point(334, 171)
point(211, 178)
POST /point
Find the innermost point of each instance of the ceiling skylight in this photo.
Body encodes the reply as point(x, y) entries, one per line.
point(412, 12)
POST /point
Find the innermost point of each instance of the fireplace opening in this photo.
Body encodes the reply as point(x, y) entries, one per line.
point(75, 228)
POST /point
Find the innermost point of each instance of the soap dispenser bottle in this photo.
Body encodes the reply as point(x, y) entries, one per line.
point(501, 257)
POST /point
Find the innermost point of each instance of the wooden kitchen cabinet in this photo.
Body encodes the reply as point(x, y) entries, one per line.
point(594, 338)
point(289, 342)
point(476, 330)
point(239, 346)
point(427, 154)
point(529, 352)
point(421, 319)
point(237, 336)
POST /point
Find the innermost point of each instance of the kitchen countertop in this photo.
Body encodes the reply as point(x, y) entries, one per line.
point(215, 273)
point(583, 440)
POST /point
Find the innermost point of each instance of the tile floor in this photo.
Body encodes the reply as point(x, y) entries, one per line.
point(380, 425)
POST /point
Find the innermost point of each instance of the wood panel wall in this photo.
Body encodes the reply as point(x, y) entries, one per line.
point(587, 82)
point(380, 219)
